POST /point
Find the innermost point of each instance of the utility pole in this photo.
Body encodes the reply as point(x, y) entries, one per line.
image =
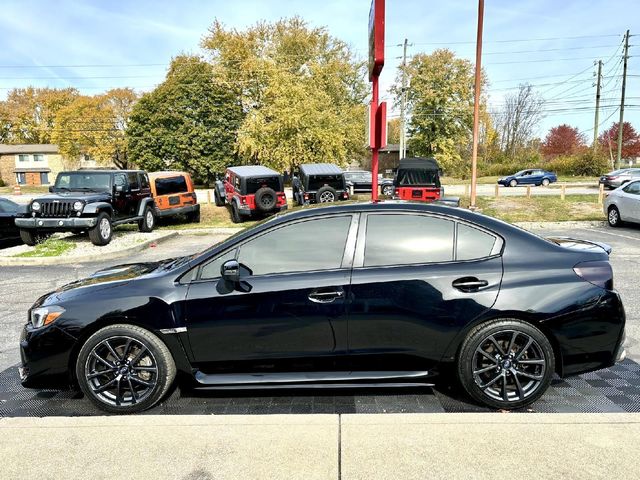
point(596, 119)
point(403, 103)
point(476, 107)
point(624, 84)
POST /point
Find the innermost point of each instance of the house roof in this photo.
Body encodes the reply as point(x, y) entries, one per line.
point(28, 148)
point(320, 169)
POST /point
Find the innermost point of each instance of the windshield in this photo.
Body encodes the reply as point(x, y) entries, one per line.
point(417, 177)
point(83, 181)
point(319, 181)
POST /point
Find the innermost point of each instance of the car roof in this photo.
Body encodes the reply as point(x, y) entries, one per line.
point(110, 170)
point(252, 171)
point(167, 173)
point(418, 163)
point(320, 169)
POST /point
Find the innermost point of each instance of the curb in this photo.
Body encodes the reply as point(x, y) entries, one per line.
point(66, 260)
point(566, 224)
point(211, 231)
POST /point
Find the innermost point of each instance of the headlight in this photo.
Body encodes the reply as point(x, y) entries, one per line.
point(77, 206)
point(35, 206)
point(45, 315)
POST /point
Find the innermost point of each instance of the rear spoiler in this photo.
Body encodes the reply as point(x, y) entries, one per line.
point(604, 246)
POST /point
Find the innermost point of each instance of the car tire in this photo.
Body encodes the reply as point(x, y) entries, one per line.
point(513, 183)
point(29, 237)
point(235, 214)
point(193, 217)
point(218, 199)
point(124, 369)
point(545, 182)
point(148, 221)
point(326, 195)
point(613, 217)
point(265, 199)
point(387, 190)
point(102, 233)
point(505, 364)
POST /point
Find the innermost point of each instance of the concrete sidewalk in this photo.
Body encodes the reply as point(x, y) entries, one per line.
point(403, 446)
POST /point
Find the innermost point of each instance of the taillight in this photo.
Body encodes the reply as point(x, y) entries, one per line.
point(306, 196)
point(598, 273)
point(243, 200)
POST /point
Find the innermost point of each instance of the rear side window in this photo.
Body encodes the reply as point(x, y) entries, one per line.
point(473, 243)
point(133, 181)
point(144, 180)
point(405, 239)
point(171, 185)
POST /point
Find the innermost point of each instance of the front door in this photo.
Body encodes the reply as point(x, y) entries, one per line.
point(120, 193)
point(412, 289)
point(291, 313)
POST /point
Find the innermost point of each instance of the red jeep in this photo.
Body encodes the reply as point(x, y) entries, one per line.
point(251, 190)
point(418, 179)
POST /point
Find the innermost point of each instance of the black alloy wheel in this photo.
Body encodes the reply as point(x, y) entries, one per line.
point(326, 194)
point(124, 369)
point(506, 364)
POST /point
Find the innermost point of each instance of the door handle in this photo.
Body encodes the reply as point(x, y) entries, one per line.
point(325, 297)
point(469, 284)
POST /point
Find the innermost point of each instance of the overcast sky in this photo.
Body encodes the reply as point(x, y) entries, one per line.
point(97, 45)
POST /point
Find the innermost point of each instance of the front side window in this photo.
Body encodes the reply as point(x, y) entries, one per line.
point(212, 269)
point(133, 181)
point(301, 247)
point(633, 188)
point(397, 239)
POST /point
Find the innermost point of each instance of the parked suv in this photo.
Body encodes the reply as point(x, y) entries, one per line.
point(250, 190)
point(361, 181)
point(418, 179)
point(319, 183)
point(93, 201)
point(173, 194)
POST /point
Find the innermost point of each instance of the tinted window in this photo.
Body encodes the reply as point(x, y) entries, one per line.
point(304, 246)
point(212, 269)
point(417, 177)
point(319, 181)
point(404, 239)
point(144, 180)
point(170, 185)
point(119, 180)
point(133, 181)
point(254, 184)
point(473, 243)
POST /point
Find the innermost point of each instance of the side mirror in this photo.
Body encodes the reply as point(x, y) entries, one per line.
point(51, 189)
point(230, 271)
point(119, 188)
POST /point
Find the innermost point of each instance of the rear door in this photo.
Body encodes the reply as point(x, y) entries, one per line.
point(417, 280)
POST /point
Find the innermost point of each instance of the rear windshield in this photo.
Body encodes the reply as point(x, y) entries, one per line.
point(417, 177)
point(171, 185)
point(319, 181)
point(254, 184)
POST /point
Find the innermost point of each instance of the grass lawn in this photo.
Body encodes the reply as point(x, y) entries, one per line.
point(51, 247)
point(542, 208)
point(25, 189)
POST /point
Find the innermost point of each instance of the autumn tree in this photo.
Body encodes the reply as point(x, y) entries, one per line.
point(630, 141)
point(188, 122)
point(440, 107)
point(95, 126)
point(302, 91)
point(30, 113)
point(563, 140)
point(393, 131)
point(518, 119)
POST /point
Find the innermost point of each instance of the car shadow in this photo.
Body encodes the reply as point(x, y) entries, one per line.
point(616, 389)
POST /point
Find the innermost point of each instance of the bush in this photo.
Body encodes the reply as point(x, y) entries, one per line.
point(585, 163)
point(498, 169)
point(2, 184)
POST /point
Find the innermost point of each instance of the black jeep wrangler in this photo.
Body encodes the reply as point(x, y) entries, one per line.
point(319, 183)
point(93, 201)
point(250, 191)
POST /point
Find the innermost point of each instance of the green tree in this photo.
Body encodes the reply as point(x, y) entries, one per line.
point(393, 131)
point(440, 106)
point(189, 122)
point(30, 113)
point(302, 89)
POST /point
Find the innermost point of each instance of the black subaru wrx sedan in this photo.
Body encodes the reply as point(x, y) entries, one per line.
point(360, 294)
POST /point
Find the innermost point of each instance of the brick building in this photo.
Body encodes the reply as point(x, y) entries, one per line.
point(35, 164)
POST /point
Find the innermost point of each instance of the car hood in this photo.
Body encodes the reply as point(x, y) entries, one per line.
point(585, 245)
point(87, 197)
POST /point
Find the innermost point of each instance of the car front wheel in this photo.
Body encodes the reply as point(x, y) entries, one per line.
point(506, 364)
point(513, 183)
point(103, 231)
point(148, 221)
point(613, 217)
point(124, 369)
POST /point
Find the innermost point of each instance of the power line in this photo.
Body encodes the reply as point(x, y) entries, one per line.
point(520, 40)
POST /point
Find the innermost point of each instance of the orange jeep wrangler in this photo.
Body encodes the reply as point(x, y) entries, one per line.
point(174, 194)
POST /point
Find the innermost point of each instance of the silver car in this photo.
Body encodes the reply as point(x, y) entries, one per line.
point(619, 177)
point(623, 204)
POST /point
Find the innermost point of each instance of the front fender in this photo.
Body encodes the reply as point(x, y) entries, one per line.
point(94, 208)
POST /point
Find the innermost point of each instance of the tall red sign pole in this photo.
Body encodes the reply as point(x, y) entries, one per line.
point(377, 119)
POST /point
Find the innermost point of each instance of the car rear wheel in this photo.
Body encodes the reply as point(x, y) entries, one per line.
point(513, 183)
point(266, 199)
point(613, 217)
point(506, 364)
point(193, 217)
point(103, 231)
point(124, 369)
point(326, 195)
point(148, 221)
point(545, 182)
point(235, 214)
